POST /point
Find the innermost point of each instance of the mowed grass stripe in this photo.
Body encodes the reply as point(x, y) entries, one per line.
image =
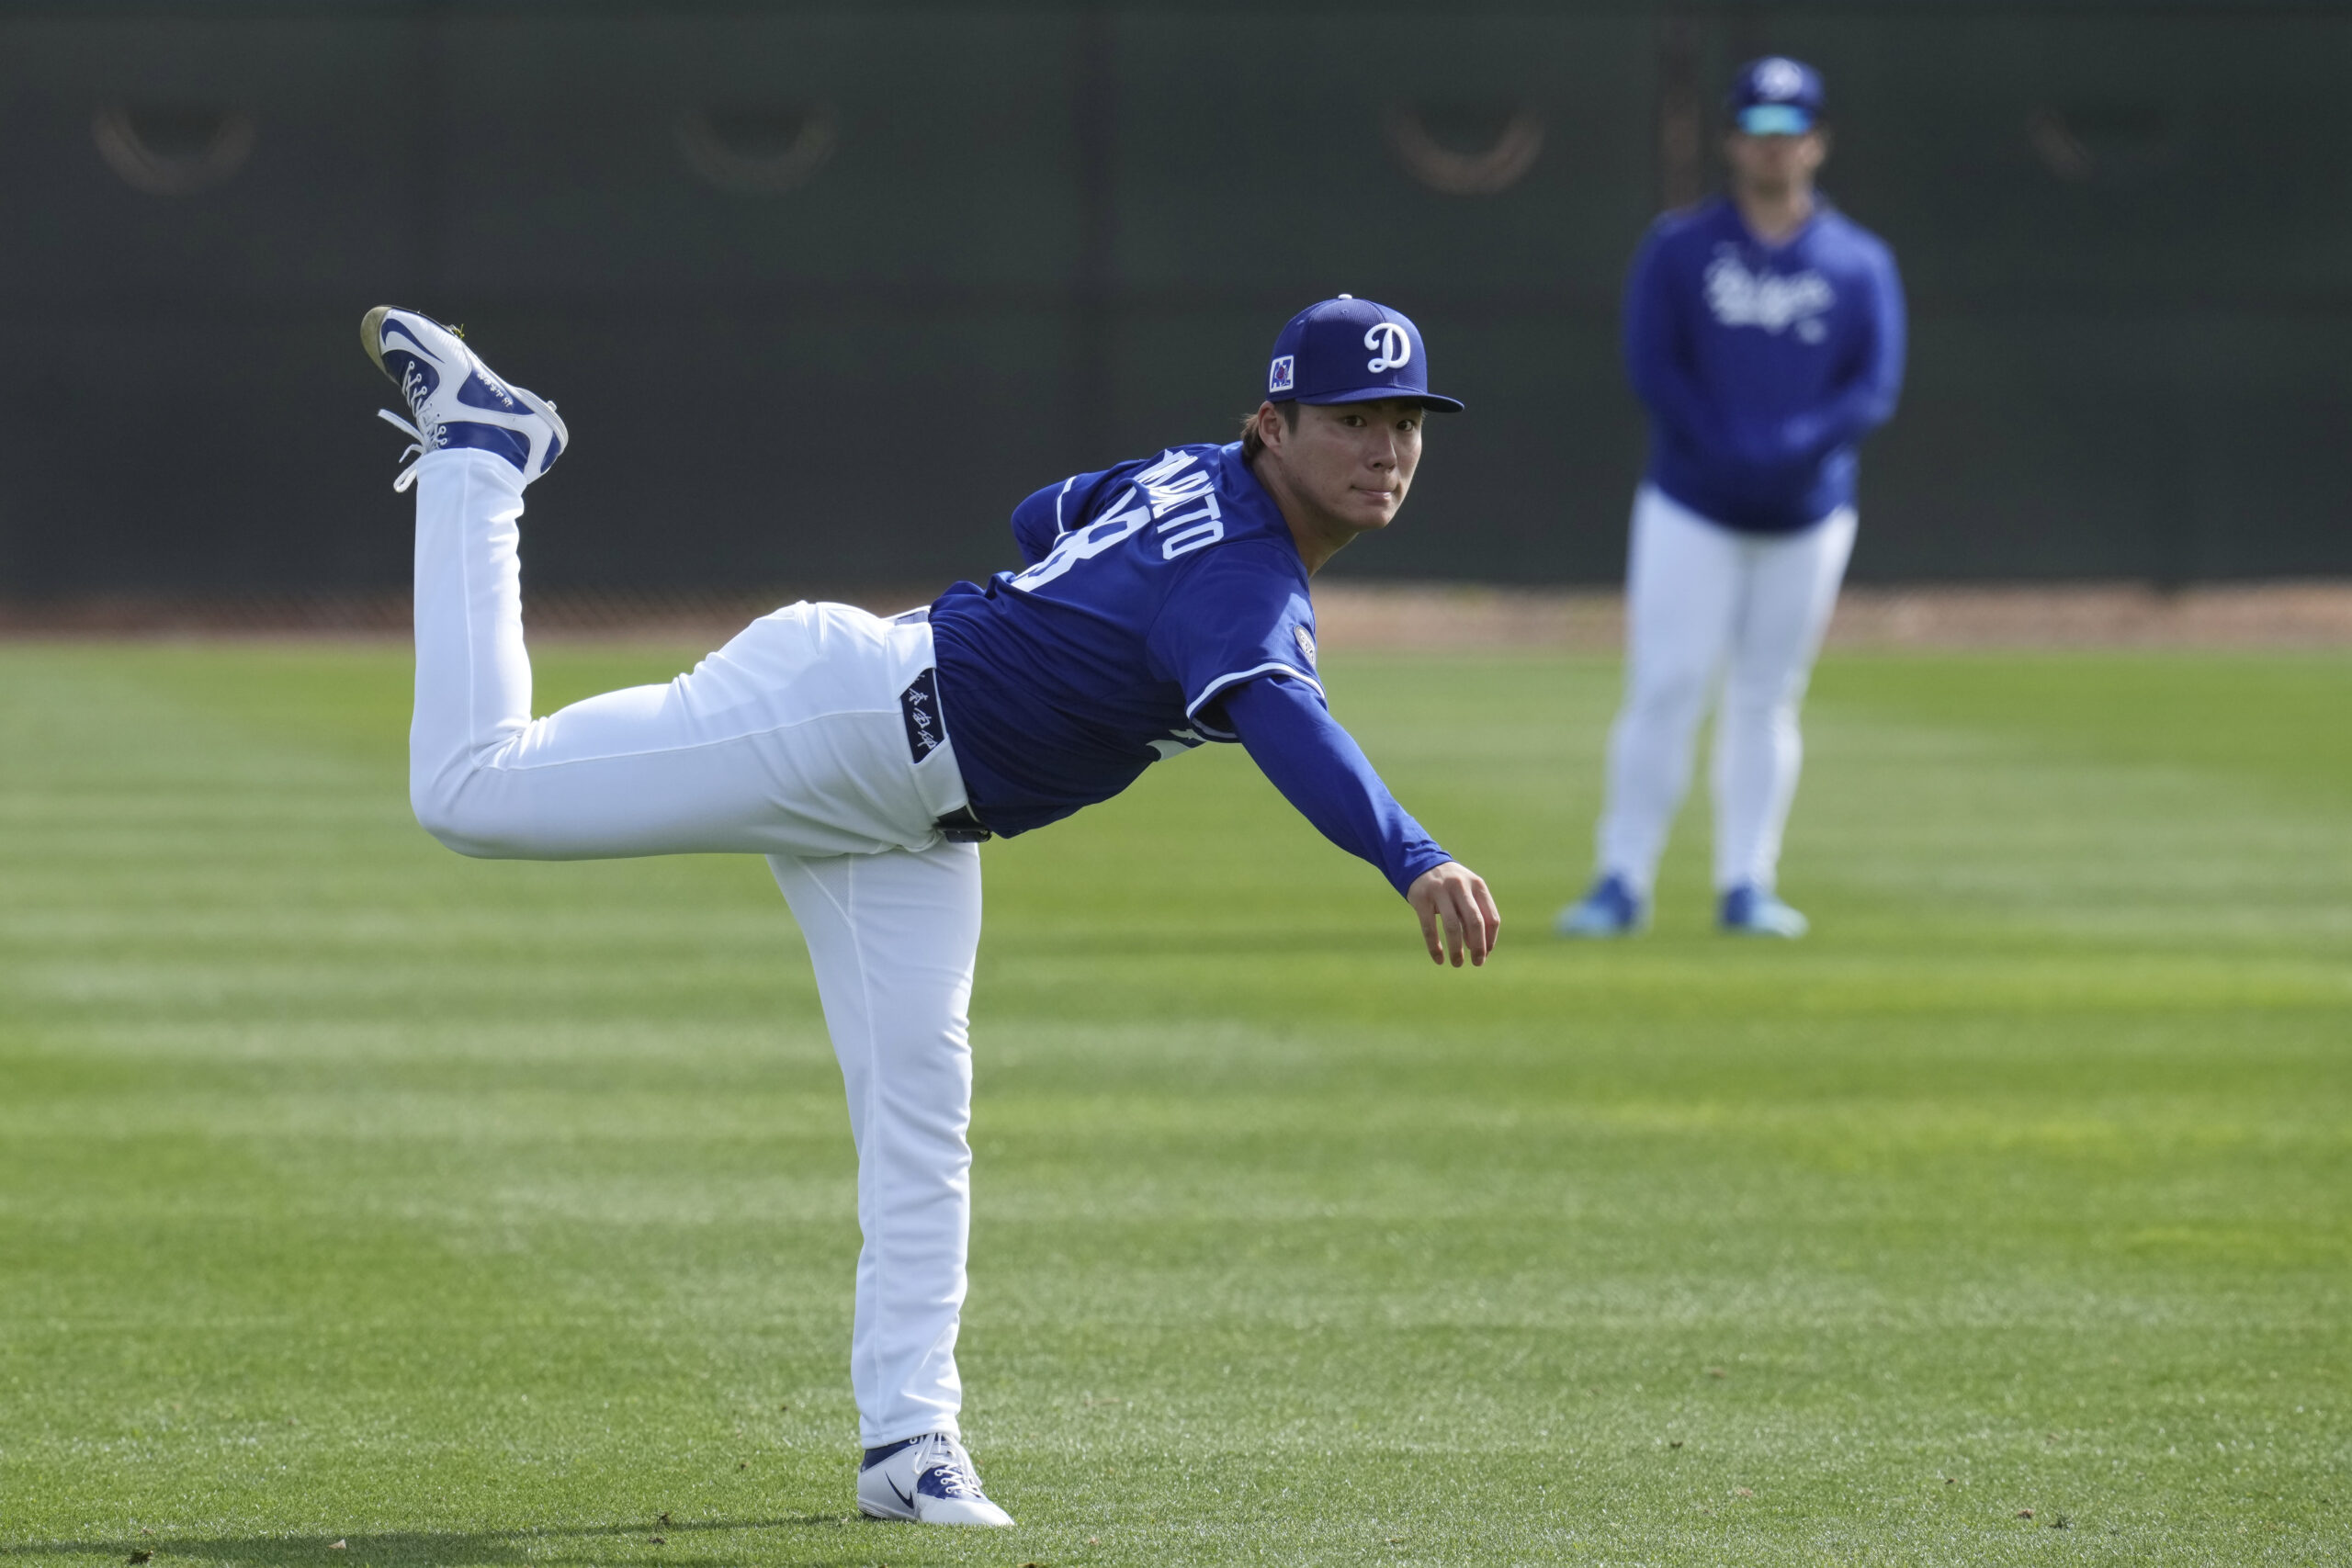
point(478, 1214)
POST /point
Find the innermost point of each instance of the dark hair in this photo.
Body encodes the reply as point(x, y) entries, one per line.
point(1252, 444)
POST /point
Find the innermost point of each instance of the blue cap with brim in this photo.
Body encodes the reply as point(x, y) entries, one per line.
point(1352, 351)
point(1776, 96)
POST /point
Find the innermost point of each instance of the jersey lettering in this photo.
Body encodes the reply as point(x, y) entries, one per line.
point(1769, 299)
point(1189, 530)
point(1171, 462)
point(1084, 544)
point(1154, 492)
point(1166, 497)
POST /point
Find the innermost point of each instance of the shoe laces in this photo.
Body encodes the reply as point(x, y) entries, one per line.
point(951, 1467)
point(426, 433)
point(417, 447)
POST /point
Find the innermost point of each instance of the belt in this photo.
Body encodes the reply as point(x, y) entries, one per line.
point(960, 827)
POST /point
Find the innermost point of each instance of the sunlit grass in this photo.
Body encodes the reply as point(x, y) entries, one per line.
point(485, 1214)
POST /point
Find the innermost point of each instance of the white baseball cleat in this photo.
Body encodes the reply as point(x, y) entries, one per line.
point(929, 1480)
point(1750, 910)
point(455, 398)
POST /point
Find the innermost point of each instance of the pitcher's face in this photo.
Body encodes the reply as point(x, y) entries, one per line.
point(1354, 462)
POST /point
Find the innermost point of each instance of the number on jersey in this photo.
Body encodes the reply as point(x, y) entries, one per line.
point(1153, 500)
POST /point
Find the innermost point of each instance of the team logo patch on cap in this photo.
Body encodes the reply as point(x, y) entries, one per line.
point(1392, 349)
point(1305, 640)
point(1778, 79)
point(1280, 375)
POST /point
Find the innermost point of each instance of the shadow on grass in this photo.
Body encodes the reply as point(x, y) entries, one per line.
point(457, 1548)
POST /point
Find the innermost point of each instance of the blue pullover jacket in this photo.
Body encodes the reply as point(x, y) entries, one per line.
point(1762, 365)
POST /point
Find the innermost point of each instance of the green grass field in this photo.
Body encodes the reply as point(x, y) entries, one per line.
point(474, 1213)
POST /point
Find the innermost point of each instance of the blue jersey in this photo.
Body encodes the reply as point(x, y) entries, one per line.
point(1762, 365)
point(1153, 589)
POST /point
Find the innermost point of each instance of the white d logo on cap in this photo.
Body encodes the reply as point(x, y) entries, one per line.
point(1392, 349)
point(1779, 78)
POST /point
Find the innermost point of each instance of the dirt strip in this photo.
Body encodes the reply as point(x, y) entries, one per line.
point(2306, 613)
point(2285, 614)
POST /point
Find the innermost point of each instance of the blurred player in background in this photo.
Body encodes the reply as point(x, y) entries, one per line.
point(1765, 333)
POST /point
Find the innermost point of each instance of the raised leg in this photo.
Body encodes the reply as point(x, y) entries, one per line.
point(788, 740)
point(473, 677)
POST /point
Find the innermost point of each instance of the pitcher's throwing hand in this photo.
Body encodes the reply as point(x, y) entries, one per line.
point(1454, 896)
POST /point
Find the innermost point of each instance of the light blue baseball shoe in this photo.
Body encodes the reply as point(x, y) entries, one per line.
point(1612, 910)
point(1749, 910)
point(455, 398)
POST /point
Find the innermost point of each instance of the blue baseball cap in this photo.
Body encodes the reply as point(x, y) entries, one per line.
point(1352, 351)
point(1776, 96)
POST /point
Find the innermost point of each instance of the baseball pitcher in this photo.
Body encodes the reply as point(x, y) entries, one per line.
point(1164, 605)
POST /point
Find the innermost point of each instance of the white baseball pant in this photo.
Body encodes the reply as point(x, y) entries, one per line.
point(787, 742)
point(1704, 603)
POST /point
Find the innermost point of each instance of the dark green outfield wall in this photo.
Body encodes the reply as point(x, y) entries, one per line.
point(823, 292)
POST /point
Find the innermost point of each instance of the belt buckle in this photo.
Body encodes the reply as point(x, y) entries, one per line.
point(961, 826)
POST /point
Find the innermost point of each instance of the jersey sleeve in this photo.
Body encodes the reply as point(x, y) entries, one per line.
point(1865, 395)
point(1658, 361)
point(1319, 769)
point(1240, 614)
point(1037, 522)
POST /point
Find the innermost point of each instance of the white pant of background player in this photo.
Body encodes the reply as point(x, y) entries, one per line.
point(788, 742)
point(1704, 603)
